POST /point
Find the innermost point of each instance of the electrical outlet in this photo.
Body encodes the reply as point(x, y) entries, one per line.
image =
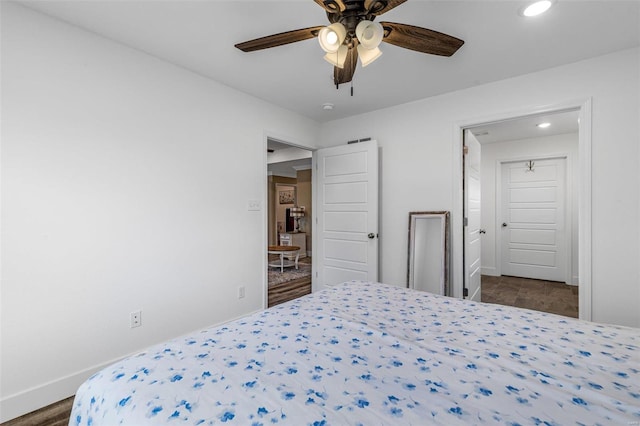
point(241, 292)
point(136, 319)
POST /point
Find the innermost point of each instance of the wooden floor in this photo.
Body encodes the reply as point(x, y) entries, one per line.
point(546, 296)
point(52, 415)
point(289, 290)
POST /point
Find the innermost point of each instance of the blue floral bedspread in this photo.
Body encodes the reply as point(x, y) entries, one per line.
point(373, 354)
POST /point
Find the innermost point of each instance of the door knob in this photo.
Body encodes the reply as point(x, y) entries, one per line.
point(504, 224)
point(371, 235)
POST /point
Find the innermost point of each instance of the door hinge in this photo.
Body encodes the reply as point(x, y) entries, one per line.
point(465, 150)
point(465, 221)
point(465, 292)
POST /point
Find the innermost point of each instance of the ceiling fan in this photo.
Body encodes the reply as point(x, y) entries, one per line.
point(352, 34)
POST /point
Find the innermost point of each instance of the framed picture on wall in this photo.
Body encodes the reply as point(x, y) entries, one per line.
point(286, 197)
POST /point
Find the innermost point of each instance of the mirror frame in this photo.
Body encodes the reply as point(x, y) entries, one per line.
point(443, 217)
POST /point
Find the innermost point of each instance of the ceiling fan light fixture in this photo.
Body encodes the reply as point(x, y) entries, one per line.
point(367, 56)
point(537, 8)
point(338, 58)
point(331, 37)
point(369, 34)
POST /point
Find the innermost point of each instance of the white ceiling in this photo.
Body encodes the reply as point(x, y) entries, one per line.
point(286, 160)
point(523, 128)
point(200, 35)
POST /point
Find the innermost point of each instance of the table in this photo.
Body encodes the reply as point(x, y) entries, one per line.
point(283, 251)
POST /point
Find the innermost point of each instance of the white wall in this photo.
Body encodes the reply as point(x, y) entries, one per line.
point(417, 144)
point(492, 155)
point(113, 172)
point(116, 196)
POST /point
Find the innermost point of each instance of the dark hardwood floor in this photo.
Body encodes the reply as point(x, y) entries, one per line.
point(546, 296)
point(290, 289)
point(56, 414)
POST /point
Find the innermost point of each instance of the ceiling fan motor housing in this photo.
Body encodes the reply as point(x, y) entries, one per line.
point(354, 12)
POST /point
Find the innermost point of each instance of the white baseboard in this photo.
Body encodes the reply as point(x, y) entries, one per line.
point(40, 396)
point(32, 399)
point(489, 270)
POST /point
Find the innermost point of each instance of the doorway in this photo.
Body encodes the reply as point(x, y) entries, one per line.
point(578, 166)
point(289, 209)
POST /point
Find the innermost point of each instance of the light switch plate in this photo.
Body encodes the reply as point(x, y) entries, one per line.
point(253, 205)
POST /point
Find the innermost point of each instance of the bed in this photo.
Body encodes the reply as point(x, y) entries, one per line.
point(365, 353)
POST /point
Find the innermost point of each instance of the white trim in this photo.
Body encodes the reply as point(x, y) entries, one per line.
point(498, 216)
point(36, 397)
point(457, 214)
point(488, 270)
point(568, 212)
point(584, 195)
point(265, 220)
point(40, 396)
point(584, 213)
point(314, 219)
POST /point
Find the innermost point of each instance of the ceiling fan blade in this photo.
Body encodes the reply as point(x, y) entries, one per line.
point(420, 39)
point(378, 7)
point(279, 39)
point(345, 74)
point(332, 6)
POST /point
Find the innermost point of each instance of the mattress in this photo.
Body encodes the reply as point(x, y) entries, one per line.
point(365, 353)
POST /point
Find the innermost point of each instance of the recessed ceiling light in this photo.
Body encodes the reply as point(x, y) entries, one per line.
point(537, 8)
point(544, 125)
point(327, 106)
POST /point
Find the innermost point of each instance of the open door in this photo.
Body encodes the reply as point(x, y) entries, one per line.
point(472, 231)
point(346, 214)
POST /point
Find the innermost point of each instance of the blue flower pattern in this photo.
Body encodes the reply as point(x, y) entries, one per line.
point(366, 353)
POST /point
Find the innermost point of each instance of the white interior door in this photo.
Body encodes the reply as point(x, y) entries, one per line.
point(533, 213)
point(346, 231)
point(472, 192)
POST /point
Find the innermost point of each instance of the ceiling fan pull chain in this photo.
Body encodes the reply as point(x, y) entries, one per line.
point(351, 87)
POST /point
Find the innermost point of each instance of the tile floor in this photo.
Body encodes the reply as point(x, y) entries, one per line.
point(547, 296)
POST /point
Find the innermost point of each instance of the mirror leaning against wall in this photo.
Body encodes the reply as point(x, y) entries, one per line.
point(428, 268)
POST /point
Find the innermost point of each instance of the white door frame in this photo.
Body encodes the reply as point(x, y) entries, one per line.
point(568, 209)
point(584, 193)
